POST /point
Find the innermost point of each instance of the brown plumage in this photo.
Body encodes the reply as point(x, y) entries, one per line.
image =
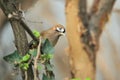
point(54, 33)
point(51, 34)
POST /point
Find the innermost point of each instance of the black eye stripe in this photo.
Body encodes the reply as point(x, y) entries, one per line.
point(60, 29)
point(64, 31)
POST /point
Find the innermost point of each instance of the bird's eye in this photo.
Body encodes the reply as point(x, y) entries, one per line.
point(62, 30)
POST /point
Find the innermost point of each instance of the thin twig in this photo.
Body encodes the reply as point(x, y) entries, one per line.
point(26, 75)
point(28, 30)
point(34, 21)
point(36, 76)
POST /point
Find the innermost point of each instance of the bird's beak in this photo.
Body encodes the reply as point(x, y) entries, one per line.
point(62, 34)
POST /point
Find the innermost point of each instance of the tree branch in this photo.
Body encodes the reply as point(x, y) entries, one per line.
point(94, 7)
point(99, 19)
point(20, 37)
point(2, 19)
point(21, 41)
point(83, 35)
point(83, 12)
point(24, 25)
point(95, 27)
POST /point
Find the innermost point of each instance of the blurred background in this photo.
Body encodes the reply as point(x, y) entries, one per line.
point(43, 14)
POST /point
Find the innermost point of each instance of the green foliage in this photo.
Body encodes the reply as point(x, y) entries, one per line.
point(39, 66)
point(16, 59)
point(45, 77)
point(47, 47)
point(87, 78)
point(24, 66)
point(49, 67)
point(25, 58)
point(22, 62)
point(36, 33)
point(33, 52)
point(13, 58)
point(46, 56)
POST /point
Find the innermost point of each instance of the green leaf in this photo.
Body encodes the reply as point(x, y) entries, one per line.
point(33, 52)
point(13, 58)
point(87, 78)
point(40, 66)
point(49, 67)
point(47, 56)
point(45, 77)
point(36, 33)
point(25, 58)
point(47, 47)
point(24, 66)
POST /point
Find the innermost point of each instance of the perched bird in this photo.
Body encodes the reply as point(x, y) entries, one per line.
point(51, 34)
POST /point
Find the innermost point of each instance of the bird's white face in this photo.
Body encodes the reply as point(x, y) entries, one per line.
point(60, 29)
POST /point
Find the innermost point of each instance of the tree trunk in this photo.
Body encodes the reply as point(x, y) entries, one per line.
point(81, 66)
point(83, 32)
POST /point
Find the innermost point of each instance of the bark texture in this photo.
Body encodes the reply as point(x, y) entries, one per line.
point(81, 66)
point(83, 32)
point(21, 41)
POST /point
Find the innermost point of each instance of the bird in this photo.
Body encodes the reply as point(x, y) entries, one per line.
point(52, 34)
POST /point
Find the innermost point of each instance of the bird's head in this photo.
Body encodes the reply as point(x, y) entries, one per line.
point(59, 29)
point(54, 33)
